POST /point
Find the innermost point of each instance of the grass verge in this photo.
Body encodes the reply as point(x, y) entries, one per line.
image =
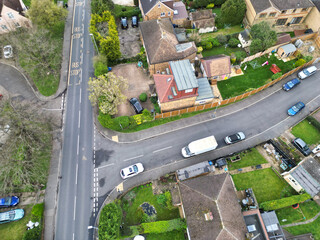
point(307, 132)
point(223, 31)
point(220, 50)
point(265, 184)
point(307, 228)
point(249, 157)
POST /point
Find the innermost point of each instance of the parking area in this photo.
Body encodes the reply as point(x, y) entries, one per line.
point(138, 82)
point(130, 43)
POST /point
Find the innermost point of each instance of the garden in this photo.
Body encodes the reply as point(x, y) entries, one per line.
point(249, 157)
point(308, 130)
point(312, 227)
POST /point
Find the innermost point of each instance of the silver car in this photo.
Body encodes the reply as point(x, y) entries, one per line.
point(239, 136)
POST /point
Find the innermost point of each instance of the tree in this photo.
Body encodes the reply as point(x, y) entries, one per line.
point(256, 46)
point(263, 32)
point(219, 2)
point(233, 11)
point(109, 222)
point(46, 13)
point(106, 91)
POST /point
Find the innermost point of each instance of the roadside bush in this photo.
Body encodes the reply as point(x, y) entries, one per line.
point(222, 39)
point(36, 216)
point(163, 226)
point(100, 65)
point(276, 75)
point(233, 42)
point(147, 115)
point(284, 202)
point(109, 224)
point(210, 6)
point(143, 97)
point(122, 121)
point(299, 62)
point(208, 45)
point(215, 43)
point(307, 58)
point(105, 120)
point(314, 122)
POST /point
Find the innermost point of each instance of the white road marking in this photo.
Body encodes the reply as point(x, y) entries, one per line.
point(162, 149)
point(77, 174)
point(78, 145)
point(73, 236)
point(74, 208)
point(80, 95)
point(79, 119)
point(128, 159)
point(108, 165)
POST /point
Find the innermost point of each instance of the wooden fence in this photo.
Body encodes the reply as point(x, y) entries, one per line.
point(230, 100)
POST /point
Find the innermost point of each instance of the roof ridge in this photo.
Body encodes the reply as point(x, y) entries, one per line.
point(222, 187)
point(199, 192)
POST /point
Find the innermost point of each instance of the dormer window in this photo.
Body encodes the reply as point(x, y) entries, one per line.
point(283, 11)
point(10, 15)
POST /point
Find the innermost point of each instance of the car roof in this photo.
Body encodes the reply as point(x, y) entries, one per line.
point(312, 68)
point(300, 141)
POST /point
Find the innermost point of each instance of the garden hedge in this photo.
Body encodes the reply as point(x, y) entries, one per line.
point(36, 216)
point(284, 202)
point(314, 122)
point(163, 226)
point(109, 223)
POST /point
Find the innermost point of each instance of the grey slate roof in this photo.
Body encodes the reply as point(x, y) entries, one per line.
point(307, 174)
point(194, 170)
point(147, 5)
point(272, 225)
point(204, 90)
point(183, 75)
point(246, 35)
point(289, 48)
point(261, 5)
point(317, 4)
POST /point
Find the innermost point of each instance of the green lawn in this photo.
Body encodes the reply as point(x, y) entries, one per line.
point(223, 31)
point(307, 228)
point(248, 158)
point(306, 211)
point(132, 211)
point(265, 184)
point(16, 230)
point(220, 50)
point(307, 132)
point(217, 11)
point(173, 235)
point(252, 78)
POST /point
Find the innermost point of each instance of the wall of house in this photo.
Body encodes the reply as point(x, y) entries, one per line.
point(181, 22)
point(313, 20)
point(9, 24)
point(250, 13)
point(293, 183)
point(156, 11)
point(177, 104)
point(243, 42)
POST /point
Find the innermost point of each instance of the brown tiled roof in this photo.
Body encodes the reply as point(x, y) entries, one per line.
point(160, 41)
point(168, 3)
point(163, 86)
point(283, 38)
point(216, 65)
point(182, 11)
point(202, 14)
point(204, 23)
point(13, 4)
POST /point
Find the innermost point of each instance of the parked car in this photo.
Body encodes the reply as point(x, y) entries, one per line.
point(9, 201)
point(131, 170)
point(136, 105)
point(301, 146)
point(7, 51)
point(239, 136)
point(134, 21)
point(296, 108)
point(291, 84)
point(12, 215)
point(124, 23)
point(307, 72)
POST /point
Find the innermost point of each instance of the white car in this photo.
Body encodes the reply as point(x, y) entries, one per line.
point(237, 137)
point(131, 170)
point(307, 72)
point(7, 51)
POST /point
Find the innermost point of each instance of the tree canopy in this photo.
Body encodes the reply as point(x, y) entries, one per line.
point(263, 32)
point(106, 91)
point(233, 11)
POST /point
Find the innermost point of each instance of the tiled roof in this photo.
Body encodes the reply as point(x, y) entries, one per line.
point(163, 84)
point(147, 5)
point(317, 4)
point(216, 65)
point(201, 14)
point(13, 4)
point(182, 11)
point(261, 5)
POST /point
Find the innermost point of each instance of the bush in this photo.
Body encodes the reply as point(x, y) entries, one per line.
point(128, 13)
point(314, 122)
point(208, 45)
point(276, 75)
point(122, 121)
point(199, 49)
point(168, 199)
point(143, 97)
point(299, 62)
point(154, 99)
point(36, 216)
point(157, 109)
point(161, 200)
point(215, 43)
point(100, 65)
point(210, 6)
point(163, 226)
point(240, 55)
point(284, 202)
point(233, 42)
point(222, 39)
point(307, 58)
point(233, 58)
point(109, 224)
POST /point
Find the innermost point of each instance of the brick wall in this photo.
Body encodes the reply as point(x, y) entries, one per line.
point(182, 103)
point(156, 11)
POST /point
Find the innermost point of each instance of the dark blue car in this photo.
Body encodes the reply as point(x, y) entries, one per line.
point(9, 201)
point(296, 108)
point(291, 84)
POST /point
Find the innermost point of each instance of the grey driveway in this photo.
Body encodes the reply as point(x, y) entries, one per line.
point(130, 43)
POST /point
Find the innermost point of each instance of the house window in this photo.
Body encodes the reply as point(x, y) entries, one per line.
point(158, 71)
point(296, 20)
point(17, 24)
point(262, 15)
point(163, 14)
point(284, 11)
point(188, 90)
point(4, 27)
point(174, 92)
point(304, 9)
point(281, 21)
point(272, 14)
point(159, 6)
point(294, 10)
point(169, 13)
point(10, 15)
point(170, 97)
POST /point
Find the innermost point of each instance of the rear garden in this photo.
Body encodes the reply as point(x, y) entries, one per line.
point(308, 130)
point(247, 158)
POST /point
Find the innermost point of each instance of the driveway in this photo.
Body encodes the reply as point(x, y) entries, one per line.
point(138, 82)
point(130, 43)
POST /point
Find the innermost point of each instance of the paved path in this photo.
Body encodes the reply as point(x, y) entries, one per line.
point(302, 223)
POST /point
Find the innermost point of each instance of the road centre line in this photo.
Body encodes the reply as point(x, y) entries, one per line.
point(128, 159)
point(77, 174)
point(162, 149)
point(74, 208)
point(80, 95)
point(108, 165)
point(79, 119)
point(78, 145)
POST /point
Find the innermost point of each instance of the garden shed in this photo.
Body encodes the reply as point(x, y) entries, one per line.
point(286, 50)
point(203, 20)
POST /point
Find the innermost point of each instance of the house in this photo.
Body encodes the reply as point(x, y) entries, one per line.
point(272, 225)
point(286, 50)
point(179, 87)
point(305, 176)
point(245, 38)
point(162, 46)
point(312, 20)
point(211, 208)
point(278, 13)
point(217, 67)
point(155, 9)
point(203, 20)
point(12, 15)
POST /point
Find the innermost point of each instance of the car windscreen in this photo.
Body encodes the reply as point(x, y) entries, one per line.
point(187, 150)
point(306, 72)
point(134, 20)
point(135, 168)
point(234, 137)
point(290, 84)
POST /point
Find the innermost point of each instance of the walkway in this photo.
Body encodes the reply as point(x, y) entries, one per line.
point(302, 223)
point(250, 168)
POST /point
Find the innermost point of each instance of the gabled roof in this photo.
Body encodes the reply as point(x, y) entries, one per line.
point(288, 48)
point(246, 35)
point(183, 75)
point(261, 5)
point(272, 225)
point(317, 4)
point(163, 84)
point(13, 4)
point(216, 65)
point(161, 42)
point(181, 9)
point(147, 5)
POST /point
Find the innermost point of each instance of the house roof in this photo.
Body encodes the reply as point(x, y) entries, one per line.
point(261, 5)
point(212, 193)
point(204, 89)
point(163, 84)
point(183, 75)
point(201, 14)
point(289, 48)
point(307, 175)
point(317, 4)
point(272, 225)
point(147, 5)
point(255, 224)
point(181, 9)
point(161, 42)
point(216, 65)
point(246, 35)
point(283, 38)
point(13, 4)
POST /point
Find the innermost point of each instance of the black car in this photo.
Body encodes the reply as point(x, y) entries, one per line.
point(134, 21)
point(302, 146)
point(124, 23)
point(136, 105)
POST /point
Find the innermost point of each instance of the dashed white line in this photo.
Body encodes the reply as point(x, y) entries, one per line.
point(78, 145)
point(162, 149)
point(79, 119)
point(77, 174)
point(80, 95)
point(74, 208)
point(128, 159)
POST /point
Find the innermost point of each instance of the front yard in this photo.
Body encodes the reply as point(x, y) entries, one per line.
point(250, 157)
point(265, 184)
point(307, 132)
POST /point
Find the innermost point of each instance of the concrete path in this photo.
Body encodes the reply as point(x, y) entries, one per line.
point(302, 223)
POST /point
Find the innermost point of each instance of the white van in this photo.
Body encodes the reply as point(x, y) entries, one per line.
point(307, 72)
point(199, 146)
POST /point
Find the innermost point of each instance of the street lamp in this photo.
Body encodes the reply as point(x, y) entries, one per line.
point(90, 227)
point(94, 42)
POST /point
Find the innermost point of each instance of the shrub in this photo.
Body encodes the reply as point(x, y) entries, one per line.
point(105, 120)
point(299, 62)
point(284, 202)
point(157, 109)
point(203, 43)
point(163, 226)
point(233, 58)
point(100, 64)
point(168, 199)
point(154, 99)
point(233, 42)
point(122, 121)
point(199, 49)
point(109, 224)
point(37, 212)
point(143, 97)
point(215, 43)
point(314, 122)
point(307, 58)
point(147, 115)
point(161, 200)
point(276, 75)
point(36, 216)
point(210, 6)
point(222, 39)
point(208, 45)
point(240, 55)
point(128, 13)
